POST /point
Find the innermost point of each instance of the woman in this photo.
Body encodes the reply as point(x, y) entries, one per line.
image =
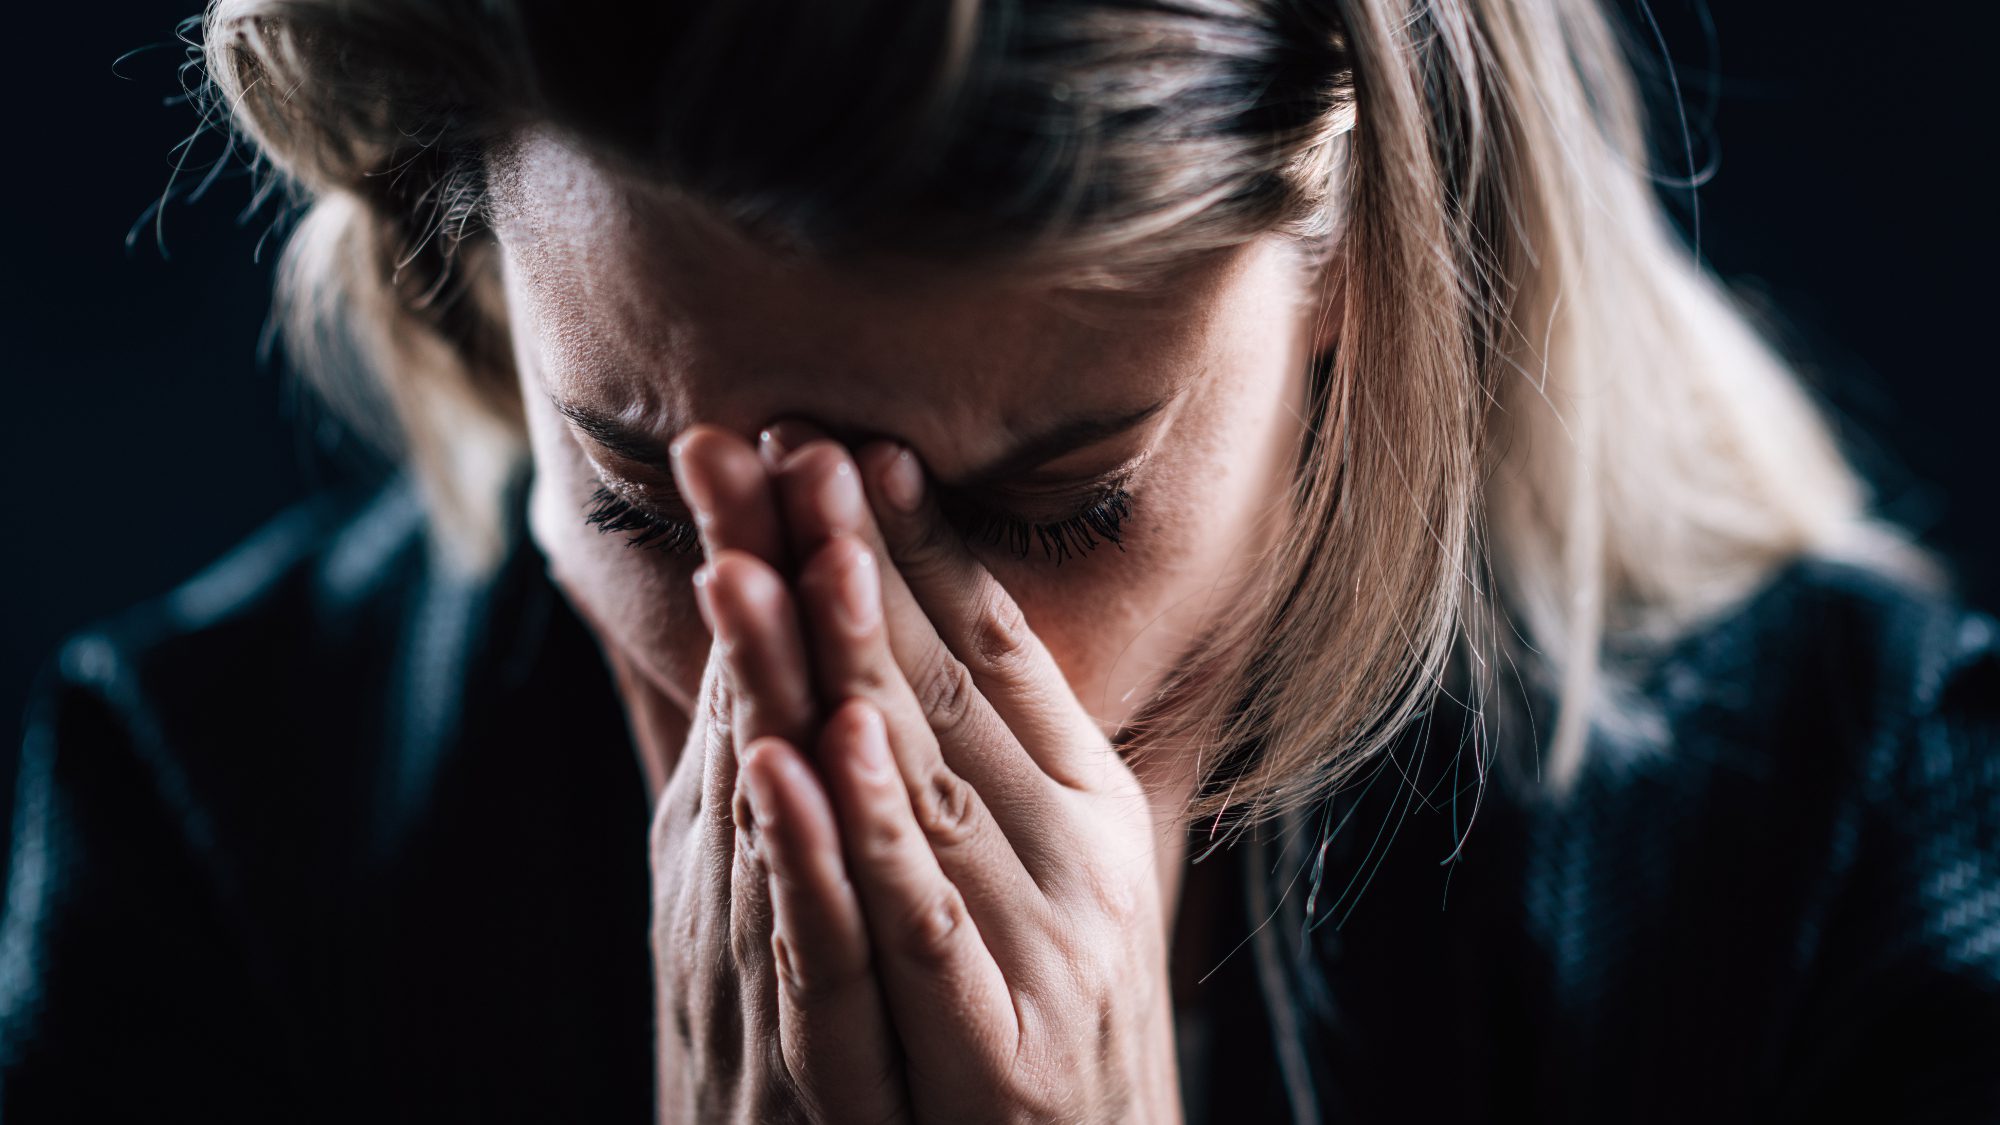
point(926, 529)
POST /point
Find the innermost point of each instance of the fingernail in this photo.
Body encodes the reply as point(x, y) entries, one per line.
point(693, 484)
point(781, 952)
point(755, 788)
point(841, 501)
point(704, 600)
point(782, 437)
point(771, 446)
point(860, 602)
point(903, 482)
point(871, 748)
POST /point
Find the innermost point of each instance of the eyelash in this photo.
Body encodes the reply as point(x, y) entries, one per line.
point(609, 513)
point(1070, 537)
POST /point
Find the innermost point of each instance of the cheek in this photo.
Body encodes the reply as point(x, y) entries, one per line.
point(1119, 622)
point(638, 602)
point(1198, 537)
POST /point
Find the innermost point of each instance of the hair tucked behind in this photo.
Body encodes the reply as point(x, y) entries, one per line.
point(1545, 436)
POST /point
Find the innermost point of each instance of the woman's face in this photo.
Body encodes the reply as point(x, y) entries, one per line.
point(630, 325)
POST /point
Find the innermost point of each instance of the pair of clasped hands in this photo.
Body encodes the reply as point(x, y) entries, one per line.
point(899, 872)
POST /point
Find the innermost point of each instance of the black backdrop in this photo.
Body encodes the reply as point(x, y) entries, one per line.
point(141, 433)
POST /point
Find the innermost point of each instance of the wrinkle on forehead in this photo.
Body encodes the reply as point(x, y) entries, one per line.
point(642, 309)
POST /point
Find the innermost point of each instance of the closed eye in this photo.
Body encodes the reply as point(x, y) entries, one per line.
point(1099, 521)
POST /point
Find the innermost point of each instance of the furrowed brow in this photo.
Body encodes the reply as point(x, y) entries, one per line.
point(642, 446)
point(633, 443)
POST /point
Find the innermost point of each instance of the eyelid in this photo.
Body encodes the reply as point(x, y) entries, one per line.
point(1065, 491)
point(646, 498)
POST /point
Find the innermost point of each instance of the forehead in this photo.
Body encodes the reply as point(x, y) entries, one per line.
point(639, 305)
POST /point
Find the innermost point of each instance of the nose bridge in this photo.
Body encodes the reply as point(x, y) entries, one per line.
point(854, 371)
point(834, 401)
point(946, 419)
point(947, 373)
point(795, 426)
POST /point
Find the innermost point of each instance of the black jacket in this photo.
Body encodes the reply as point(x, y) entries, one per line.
point(328, 834)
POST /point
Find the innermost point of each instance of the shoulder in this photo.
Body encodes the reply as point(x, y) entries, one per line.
point(247, 673)
point(1795, 896)
point(247, 707)
point(320, 653)
point(1832, 788)
point(1827, 666)
point(1864, 713)
point(1835, 706)
point(320, 582)
point(166, 780)
point(1800, 886)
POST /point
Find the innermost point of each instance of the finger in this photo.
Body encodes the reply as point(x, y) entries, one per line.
point(979, 621)
point(937, 718)
point(748, 959)
point(950, 1004)
point(728, 490)
point(832, 1027)
point(842, 599)
point(693, 862)
point(777, 440)
point(997, 652)
point(756, 626)
point(710, 732)
point(757, 631)
point(765, 681)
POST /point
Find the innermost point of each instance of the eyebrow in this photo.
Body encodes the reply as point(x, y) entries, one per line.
point(640, 445)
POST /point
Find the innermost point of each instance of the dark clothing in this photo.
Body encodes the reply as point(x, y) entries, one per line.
point(328, 834)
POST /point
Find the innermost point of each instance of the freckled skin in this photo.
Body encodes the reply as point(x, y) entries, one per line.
point(619, 305)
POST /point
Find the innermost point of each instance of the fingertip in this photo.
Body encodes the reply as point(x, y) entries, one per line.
point(704, 596)
point(894, 475)
point(795, 804)
point(677, 449)
point(861, 734)
point(875, 455)
point(741, 580)
point(759, 767)
point(841, 581)
point(783, 435)
point(827, 561)
point(903, 482)
point(695, 455)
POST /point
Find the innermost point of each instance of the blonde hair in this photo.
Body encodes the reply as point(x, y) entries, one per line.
point(1541, 417)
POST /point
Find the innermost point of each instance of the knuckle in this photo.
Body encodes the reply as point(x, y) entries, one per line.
point(945, 691)
point(882, 839)
point(874, 679)
point(808, 979)
point(748, 838)
point(711, 743)
point(1113, 898)
point(946, 808)
point(999, 631)
point(681, 1019)
point(932, 928)
point(718, 703)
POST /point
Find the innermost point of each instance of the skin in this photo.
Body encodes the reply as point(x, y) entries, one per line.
point(982, 913)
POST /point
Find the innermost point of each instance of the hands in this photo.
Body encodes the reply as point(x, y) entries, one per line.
point(899, 873)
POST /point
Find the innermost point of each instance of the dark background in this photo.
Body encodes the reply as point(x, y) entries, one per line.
point(142, 434)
